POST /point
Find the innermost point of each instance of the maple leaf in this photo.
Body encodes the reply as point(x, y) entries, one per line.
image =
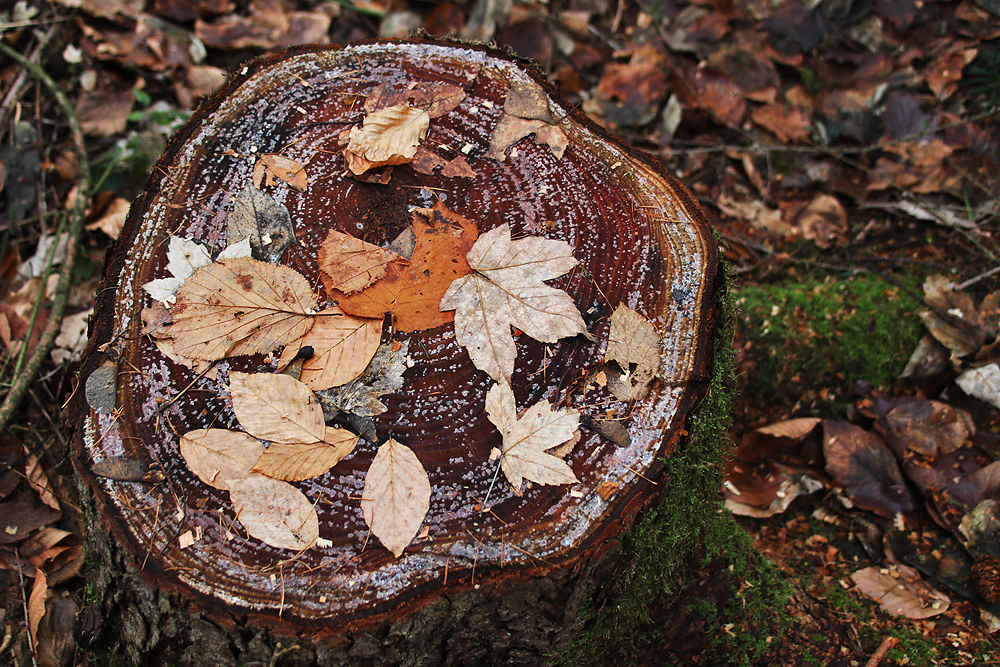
point(349, 264)
point(220, 456)
point(505, 288)
point(342, 347)
point(389, 136)
point(526, 439)
point(412, 290)
point(396, 496)
point(240, 306)
point(275, 512)
point(633, 342)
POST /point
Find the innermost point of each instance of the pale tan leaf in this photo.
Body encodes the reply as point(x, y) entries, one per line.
point(284, 169)
point(633, 341)
point(36, 605)
point(292, 462)
point(982, 382)
point(342, 347)
point(275, 512)
point(389, 136)
point(113, 218)
point(276, 407)
point(526, 439)
point(905, 594)
point(240, 306)
point(526, 111)
point(396, 496)
point(349, 264)
point(39, 481)
point(505, 289)
point(384, 375)
point(220, 456)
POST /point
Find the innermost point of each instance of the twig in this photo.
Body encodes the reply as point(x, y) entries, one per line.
point(961, 287)
point(9, 101)
point(46, 342)
point(879, 655)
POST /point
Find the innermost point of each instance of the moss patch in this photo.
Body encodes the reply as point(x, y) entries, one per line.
point(806, 343)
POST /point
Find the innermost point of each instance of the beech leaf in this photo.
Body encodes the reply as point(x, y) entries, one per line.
point(240, 306)
point(526, 439)
point(389, 136)
point(220, 456)
point(505, 288)
point(396, 496)
point(342, 347)
point(275, 512)
point(276, 407)
point(292, 462)
point(349, 264)
point(633, 341)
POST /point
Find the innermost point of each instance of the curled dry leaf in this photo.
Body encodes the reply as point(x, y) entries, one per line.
point(36, 604)
point(526, 439)
point(982, 382)
point(396, 496)
point(275, 512)
point(38, 481)
point(286, 170)
point(342, 347)
point(426, 161)
point(505, 289)
point(389, 136)
point(412, 291)
point(277, 408)
point(349, 264)
point(240, 306)
point(384, 375)
point(220, 456)
point(292, 462)
point(635, 345)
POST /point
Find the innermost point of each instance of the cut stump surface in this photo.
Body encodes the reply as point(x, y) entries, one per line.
point(639, 239)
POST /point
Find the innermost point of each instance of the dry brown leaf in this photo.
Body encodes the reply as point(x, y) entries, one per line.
point(292, 462)
point(349, 264)
point(426, 161)
point(526, 111)
point(384, 375)
point(36, 605)
point(633, 341)
point(505, 289)
point(904, 595)
point(219, 456)
point(983, 383)
point(275, 512)
point(240, 306)
point(286, 170)
point(823, 221)
point(389, 136)
point(277, 408)
point(342, 347)
point(396, 496)
point(39, 481)
point(958, 332)
point(113, 218)
point(412, 291)
point(436, 99)
point(525, 439)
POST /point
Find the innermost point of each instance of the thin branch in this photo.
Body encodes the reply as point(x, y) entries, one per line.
point(22, 382)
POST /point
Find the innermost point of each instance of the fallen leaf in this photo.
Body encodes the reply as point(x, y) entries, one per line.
point(412, 291)
point(426, 161)
point(120, 468)
point(184, 257)
point(905, 595)
point(860, 461)
point(436, 99)
point(104, 112)
point(342, 347)
point(275, 512)
point(286, 170)
point(389, 136)
point(396, 496)
point(987, 480)
point(384, 375)
point(983, 383)
point(927, 427)
point(276, 408)
point(526, 111)
point(292, 462)
point(953, 322)
point(72, 337)
point(505, 288)
point(112, 219)
point(349, 264)
point(36, 604)
point(526, 439)
point(787, 123)
point(219, 456)
point(38, 481)
point(823, 221)
point(635, 345)
point(240, 306)
point(257, 216)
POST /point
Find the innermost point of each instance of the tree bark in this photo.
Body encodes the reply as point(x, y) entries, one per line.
point(497, 577)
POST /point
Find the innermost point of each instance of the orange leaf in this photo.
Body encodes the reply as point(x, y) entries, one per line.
point(349, 264)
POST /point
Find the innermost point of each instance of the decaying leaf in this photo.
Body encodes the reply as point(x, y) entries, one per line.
point(635, 345)
point(349, 264)
point(240, 306)
point(426, 161)
point(277, 408)
point(526, 439)
point(384, 375)
point(412, 291)
point(860, 461)
point(36, 604)
point(275, 512)
point(396, 496)
point(954, 318)
point(220, 456)
point(982, 382)
point(389, 136)
point(101, 389)
point(526, 111)
point(266, 223)
point(342, 347)
point(505, 289)
point(436, 99)
point(297, 461)
point(120, 468)
point(286, 170)
point(905, 594)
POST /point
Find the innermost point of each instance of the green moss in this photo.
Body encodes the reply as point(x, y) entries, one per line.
point(807, 342)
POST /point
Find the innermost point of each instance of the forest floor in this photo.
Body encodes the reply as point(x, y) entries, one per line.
point(846, 152)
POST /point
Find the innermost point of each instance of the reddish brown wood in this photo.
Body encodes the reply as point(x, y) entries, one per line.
point(641, 240)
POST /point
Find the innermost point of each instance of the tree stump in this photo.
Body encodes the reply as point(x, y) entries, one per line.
point(496, 567)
